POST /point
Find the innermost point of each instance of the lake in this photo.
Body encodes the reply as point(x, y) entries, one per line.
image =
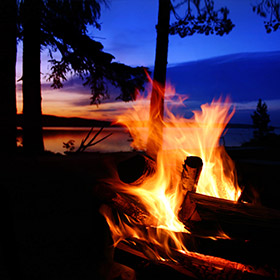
point(54, 137)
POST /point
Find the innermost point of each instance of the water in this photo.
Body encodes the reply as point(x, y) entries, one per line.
point(54, 137)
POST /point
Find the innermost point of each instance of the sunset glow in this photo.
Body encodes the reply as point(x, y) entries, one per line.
point(69, 104)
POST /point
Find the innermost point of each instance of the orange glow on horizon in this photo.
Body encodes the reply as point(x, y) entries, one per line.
point(68, 104)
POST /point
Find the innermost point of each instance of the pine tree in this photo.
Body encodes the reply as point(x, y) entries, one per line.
point(261, 120)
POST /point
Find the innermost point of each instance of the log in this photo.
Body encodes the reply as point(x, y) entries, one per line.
point(201, 213)
point(114, 270)
point(249, 231)
point(135, 168)
point(130, 207)
point(190, 175)
point(196, 265)
point(125, 204)
point(236, 231)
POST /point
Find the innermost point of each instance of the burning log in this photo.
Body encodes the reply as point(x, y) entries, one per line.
point(116, 270)
point(131, 208)
point(238, 220)
point(190, 175)
point(132, 169)
point(199, 266)
point(124, 204)
point(203, 216)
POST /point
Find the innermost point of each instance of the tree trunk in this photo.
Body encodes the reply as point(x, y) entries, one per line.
point(32, 111)
point(8, 49)
point(157, 99)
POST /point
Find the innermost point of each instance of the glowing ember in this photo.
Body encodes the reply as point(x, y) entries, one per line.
point(161, 192)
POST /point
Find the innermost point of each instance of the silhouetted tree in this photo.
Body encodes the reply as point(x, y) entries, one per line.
point(31, 86)
point(87, 59)
point(261, 120)
point(203, 19)
point(269, 9)
point(157, 98)
point(8, 31)
point(63, 28)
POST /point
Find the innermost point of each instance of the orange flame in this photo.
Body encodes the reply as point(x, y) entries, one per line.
point(160, 192)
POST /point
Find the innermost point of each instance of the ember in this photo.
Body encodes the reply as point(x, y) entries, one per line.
point(157, 209)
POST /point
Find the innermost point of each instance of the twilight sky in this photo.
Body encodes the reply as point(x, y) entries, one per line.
point(128, 29)
point(128, 32)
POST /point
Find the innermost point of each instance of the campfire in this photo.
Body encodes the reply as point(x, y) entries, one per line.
point(158, 206)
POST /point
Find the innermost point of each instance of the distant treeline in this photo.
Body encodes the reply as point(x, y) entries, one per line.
point(54, 121)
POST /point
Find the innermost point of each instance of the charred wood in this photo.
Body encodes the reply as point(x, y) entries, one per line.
point(190, 175)
point(238, 220)
point(199, 266)
point(131, 170)
point(238, 232)
point(124, 204)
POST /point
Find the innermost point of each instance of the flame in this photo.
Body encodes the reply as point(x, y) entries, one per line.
point(160, 192)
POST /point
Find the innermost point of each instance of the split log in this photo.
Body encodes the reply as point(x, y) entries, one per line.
point(236, 231)
point(114, 270)
point(250, 231)
point(130, 207)
point(135, 168)
point(198, 266)
point(125, 204)
point(190, 175)
point(238, 220)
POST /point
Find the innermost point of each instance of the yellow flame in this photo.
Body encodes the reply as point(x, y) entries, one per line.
point(160, 193)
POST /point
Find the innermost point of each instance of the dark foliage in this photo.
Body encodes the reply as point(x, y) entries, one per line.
point(261, 120)
point(69, 146)
point(202, 20)
point(64, 29)
point(263, 135)
point(270, 140)
point(269, 9)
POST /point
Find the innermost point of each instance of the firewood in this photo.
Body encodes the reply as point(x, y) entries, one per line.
point(190, 174)
point(205, 216)
point(238, 220)
point(118, 271)
point(125, 204)
point(130, 207)
point(199, 266)
point(135, 168)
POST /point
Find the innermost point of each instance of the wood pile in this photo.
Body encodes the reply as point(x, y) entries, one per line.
point(229, 240)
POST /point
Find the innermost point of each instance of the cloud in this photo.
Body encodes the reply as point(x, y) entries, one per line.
point(272, 104)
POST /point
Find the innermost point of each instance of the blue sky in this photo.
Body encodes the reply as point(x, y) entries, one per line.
point(128, 32)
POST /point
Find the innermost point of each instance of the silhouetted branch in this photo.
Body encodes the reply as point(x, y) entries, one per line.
point(269, 9)
point(205, 20)
point(87, 60)
point(91, 143)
